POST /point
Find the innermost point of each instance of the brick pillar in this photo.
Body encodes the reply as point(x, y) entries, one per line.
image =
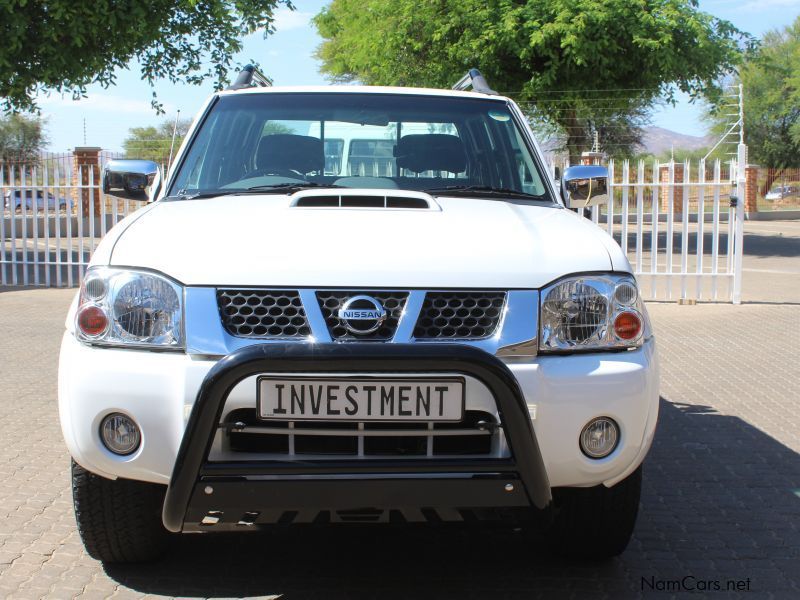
point(751, 189)
point(677, 191)
point(87, 160)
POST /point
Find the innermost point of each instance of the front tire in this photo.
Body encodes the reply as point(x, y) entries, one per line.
point(119, 520)
point(595, 523)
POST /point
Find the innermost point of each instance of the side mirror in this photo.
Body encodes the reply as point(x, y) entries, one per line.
point(584, 185)
point(130, 179)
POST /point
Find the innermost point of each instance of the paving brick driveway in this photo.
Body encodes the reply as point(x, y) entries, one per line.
point(721, 489)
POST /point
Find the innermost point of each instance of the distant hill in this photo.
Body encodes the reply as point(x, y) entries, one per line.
point(657, 140)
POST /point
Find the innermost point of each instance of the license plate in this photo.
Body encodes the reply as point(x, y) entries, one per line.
point(360, 399)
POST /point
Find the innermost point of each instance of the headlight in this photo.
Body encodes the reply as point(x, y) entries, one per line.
point(123, 307)
point(591, 312)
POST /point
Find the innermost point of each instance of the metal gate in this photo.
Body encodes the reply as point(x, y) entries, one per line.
point(54, 215)
point(680, 225)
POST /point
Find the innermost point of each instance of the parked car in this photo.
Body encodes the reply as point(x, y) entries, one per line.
point(782, 191)
point(35, 199)
point(430, 335)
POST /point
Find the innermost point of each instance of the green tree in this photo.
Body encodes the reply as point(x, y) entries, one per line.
point(770, 77)
point(154, 142)
point(771, 82)
point(22, 138)
point(575, 63)
point(64, 45)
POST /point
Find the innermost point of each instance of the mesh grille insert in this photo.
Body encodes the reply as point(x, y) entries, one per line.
point(459, 315)
point(331, 301)
point(263, 313)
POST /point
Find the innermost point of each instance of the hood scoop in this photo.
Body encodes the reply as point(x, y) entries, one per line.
point(364, 199)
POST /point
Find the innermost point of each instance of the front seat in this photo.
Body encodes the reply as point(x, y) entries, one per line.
point(431, 152)
point(289, 155)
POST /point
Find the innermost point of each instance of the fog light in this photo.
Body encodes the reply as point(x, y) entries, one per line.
point(120, 434)
point(599, 437)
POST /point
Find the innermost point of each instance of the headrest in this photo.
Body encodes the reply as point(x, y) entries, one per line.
point(431, 152)
point(286, 152)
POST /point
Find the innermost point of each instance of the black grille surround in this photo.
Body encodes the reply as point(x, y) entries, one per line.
point(459, 315)
point(330, 301)
point(256, 313)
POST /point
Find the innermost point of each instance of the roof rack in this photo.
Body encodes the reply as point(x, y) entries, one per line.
point(249, 76)
point(475, 80)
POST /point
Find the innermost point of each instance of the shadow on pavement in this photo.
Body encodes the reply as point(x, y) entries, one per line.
point(755, 245)
point(719, 503)
point(771, 245)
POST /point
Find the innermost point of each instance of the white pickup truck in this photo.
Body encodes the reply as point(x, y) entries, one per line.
point(415, 327)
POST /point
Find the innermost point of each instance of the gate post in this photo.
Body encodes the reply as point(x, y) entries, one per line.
point(677, 190)
point(87, 159)
point(738, 240)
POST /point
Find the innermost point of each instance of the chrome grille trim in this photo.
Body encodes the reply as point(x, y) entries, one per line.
point(330, 301)
point(256, 313)
point(209, 338)
point(361, 432)
point(460, 315)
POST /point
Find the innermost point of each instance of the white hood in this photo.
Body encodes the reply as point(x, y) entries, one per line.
point(262, 241)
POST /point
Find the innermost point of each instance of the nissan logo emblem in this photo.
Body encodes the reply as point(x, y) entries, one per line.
point(362, 315)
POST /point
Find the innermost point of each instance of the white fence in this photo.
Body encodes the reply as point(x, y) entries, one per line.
point(54, 215)
point(676, 223)
point(680, 225)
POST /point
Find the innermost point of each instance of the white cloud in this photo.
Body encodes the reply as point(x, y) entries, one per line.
point(101, 102)
point(286, 19)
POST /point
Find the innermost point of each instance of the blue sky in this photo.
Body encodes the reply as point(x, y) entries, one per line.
point(287, 56)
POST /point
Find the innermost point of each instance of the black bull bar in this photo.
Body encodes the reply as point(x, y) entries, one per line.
point(519, 480)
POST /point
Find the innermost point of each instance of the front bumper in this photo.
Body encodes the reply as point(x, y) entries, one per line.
point(560, 393)
point(255, 486)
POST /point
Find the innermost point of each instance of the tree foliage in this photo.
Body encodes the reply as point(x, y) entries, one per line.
point(22, 138)
point(581, 63)
point(64, 45)
point(771, 81)
point(154, 142)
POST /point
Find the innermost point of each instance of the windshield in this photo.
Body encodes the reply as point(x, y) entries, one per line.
point(386, 141)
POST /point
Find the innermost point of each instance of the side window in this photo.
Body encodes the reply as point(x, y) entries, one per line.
point(333, 156)
point(528, 174)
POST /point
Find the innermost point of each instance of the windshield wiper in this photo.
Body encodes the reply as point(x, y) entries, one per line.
point(281, 188)
point(273, 188)
point(483, 190)
point(184, 195)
